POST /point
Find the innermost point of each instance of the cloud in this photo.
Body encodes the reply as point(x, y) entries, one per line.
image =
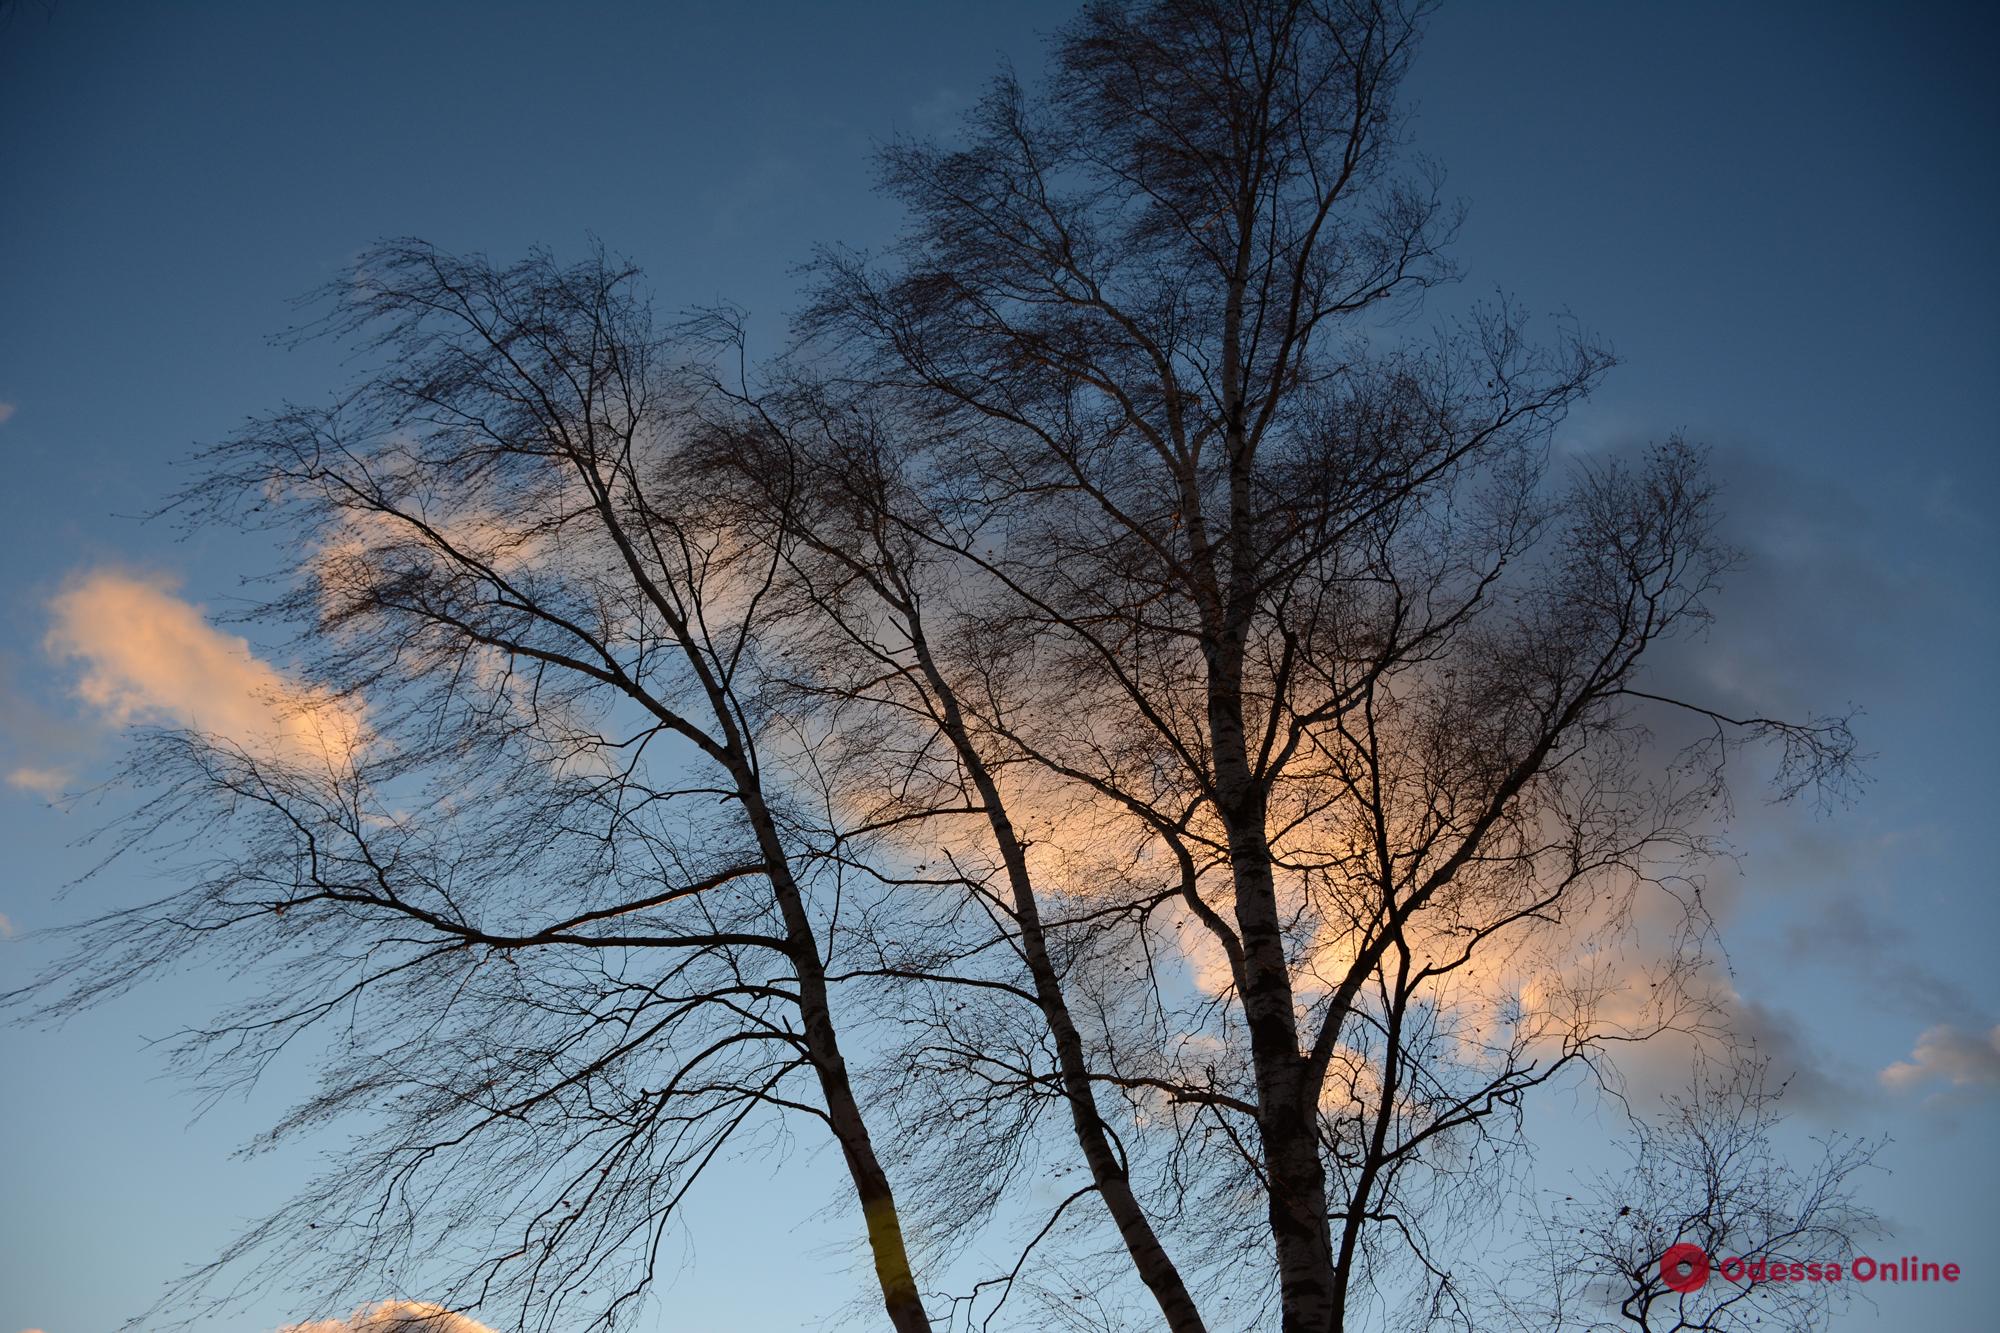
point(394, 1317)
point(148, 656)
point(1814, 1079)
point(7, 933)
point(1818, 1081)
point(1964, 1059)
point(1867, 946)
point(7, 410)
point(42, 781)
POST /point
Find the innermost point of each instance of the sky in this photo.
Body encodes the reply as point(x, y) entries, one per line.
point(1779, 215)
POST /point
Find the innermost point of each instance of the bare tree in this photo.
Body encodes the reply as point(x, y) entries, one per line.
point(1185, 727)
point(539, 877)
point(1707, 1172)
point(1298, 618)
point(896, 637)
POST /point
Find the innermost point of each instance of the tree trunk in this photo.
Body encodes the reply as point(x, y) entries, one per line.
point(1107, 1171)
point(871, 1183)
point(1287, 1103)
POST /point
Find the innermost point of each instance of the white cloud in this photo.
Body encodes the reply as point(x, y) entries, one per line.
point(394, 1317)
point(1964, 1059)
point(147, 655)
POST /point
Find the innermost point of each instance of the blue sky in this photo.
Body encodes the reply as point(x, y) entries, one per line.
point(1779, 215)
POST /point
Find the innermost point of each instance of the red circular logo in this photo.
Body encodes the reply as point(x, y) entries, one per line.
point(1684, 1267)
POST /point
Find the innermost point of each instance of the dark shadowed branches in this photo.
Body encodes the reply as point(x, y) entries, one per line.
point(1112, 709)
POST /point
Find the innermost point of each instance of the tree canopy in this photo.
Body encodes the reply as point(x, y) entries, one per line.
point(1111, 703)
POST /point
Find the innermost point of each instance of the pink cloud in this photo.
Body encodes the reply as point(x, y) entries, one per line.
point(394, 1317)
point(147, 655)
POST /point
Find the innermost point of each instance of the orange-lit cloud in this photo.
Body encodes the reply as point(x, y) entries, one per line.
point(352, 556)
point(394, 1317)
point(147, 655)
point(1961, 1058)
point(6, 411)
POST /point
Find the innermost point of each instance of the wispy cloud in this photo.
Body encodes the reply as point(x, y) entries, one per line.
point(6, 411)
point(147, 655)
point(1961, 1058)
point(49, 782)
point(1870, 947)
point(1818, 1081)
point(1815, 1080)
point(394, 1317)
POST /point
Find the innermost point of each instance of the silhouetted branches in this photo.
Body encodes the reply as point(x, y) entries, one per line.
point(1196, 740)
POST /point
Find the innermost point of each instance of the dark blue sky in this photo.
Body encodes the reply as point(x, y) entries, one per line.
point(1780, 215)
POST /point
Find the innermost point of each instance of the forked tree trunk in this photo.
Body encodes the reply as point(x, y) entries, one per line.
point(1287, 1103)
